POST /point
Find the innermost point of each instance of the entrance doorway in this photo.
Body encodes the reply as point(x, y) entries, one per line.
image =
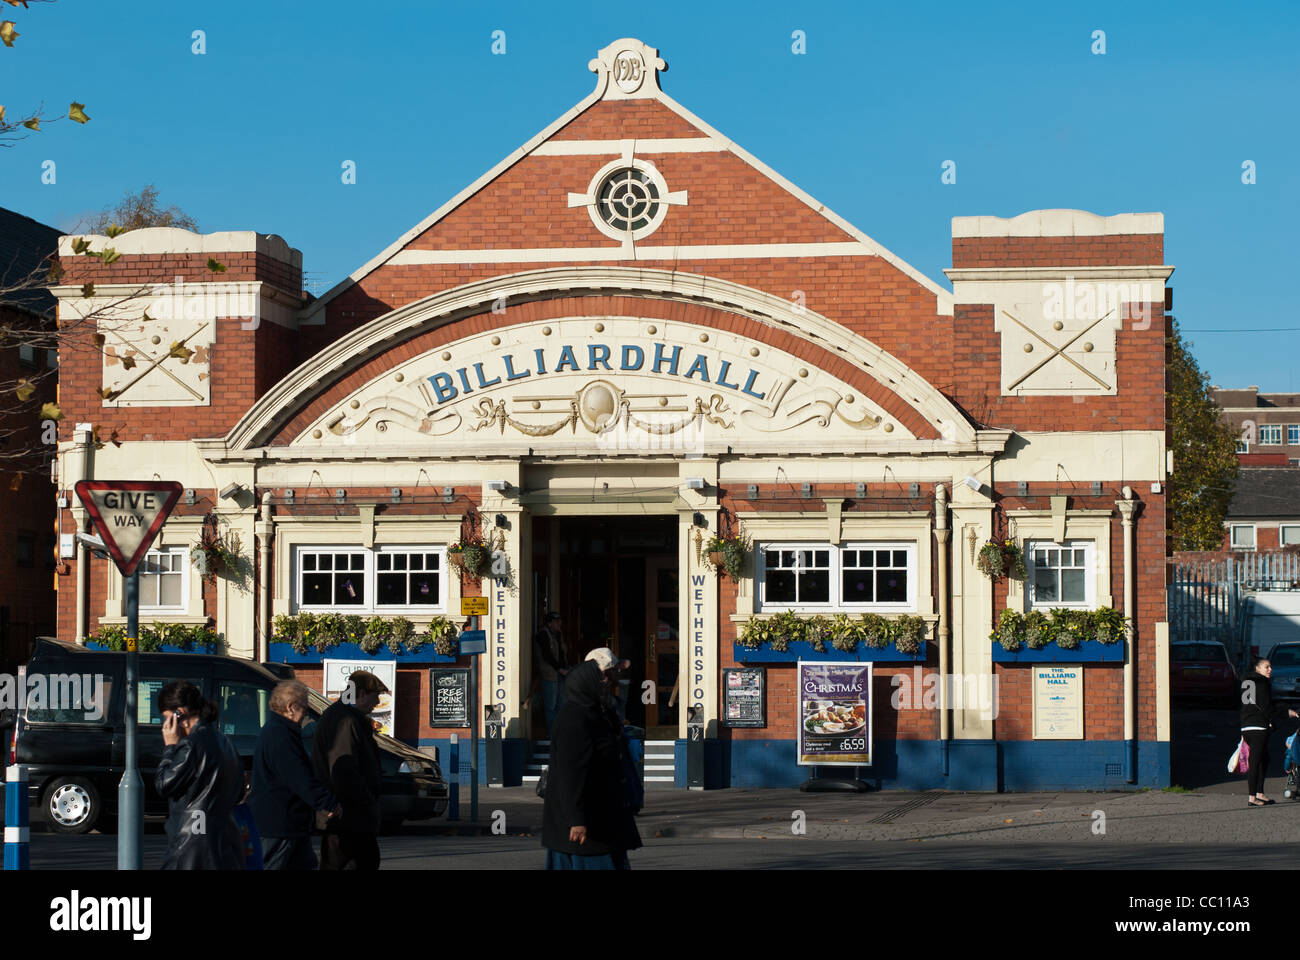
point(614, 582)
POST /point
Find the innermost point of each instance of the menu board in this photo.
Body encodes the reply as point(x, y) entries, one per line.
point(1058, 702)
point(449, 704)
point(336, 681)
point(744, 698)
point(834, 714)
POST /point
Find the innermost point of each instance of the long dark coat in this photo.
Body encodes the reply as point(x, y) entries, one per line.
point(584, 785)
point(201, 779)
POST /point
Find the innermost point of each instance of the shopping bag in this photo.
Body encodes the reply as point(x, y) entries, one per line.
point(1243, 765)
point(1236, 757)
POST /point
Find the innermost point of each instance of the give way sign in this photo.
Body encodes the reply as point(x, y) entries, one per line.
point(128, 515)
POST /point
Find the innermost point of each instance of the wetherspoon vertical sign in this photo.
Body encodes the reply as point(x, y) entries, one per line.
point(834, 714)
point(128, 515)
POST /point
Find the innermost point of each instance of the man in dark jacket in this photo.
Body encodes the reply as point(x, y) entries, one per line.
point(1257, 713)
point(345, 757)
point(587, 821)
point(285, 792)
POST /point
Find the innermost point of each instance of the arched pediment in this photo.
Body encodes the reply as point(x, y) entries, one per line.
point(605, 357)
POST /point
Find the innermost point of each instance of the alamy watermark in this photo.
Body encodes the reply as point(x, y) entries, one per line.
point(77, 696)
point(959, 691)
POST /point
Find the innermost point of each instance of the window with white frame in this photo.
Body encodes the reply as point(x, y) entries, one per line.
point(164, 579)
point(1243, 536)
point(1243, 446)
point(407, 577)
point(1290, 534)
point(1061, 574)
point(1293, 434)
point(858, 576)
point(391, 579)
point(1270, 434)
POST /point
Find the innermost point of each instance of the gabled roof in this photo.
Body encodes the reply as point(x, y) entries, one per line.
point(611, 87)
point(24, 246)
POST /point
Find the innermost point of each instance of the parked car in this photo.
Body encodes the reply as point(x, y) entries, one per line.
point(1285, 658)
point(1201, 668)
point(75, 754)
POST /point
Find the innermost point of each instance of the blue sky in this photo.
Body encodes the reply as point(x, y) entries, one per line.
point(251, 135)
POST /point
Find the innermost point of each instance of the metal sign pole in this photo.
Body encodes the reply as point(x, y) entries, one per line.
point(130, 790)
point(473, 735)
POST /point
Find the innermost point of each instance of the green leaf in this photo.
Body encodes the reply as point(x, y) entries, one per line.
point(216, 266)
point(77, 112)
point(51, 411)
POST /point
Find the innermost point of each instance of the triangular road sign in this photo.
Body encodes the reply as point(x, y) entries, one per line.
point(128, 514)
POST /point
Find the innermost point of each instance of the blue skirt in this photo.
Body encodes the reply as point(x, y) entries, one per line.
point(571, 861)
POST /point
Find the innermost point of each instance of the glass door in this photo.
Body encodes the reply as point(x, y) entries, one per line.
point(662, 664)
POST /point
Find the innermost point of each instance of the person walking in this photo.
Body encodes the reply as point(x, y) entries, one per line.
point(552, 667)
point(345, 758)
point(587, 819)
point(285, 790)
point(201, 779)
point(1257, 713)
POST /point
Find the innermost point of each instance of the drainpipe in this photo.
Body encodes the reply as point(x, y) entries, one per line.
point(1127, 509)
point(264, 527)
point(78, 468)
point(943, 632)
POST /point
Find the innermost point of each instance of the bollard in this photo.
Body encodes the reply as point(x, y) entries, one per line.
point(17, 831)
point(453, 780)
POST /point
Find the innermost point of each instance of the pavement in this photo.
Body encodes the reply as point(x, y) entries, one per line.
point(1216, 813)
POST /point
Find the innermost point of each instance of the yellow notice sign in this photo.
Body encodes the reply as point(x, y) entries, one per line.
point(473, 606)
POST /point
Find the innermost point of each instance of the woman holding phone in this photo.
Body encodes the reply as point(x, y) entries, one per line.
point(201, 778)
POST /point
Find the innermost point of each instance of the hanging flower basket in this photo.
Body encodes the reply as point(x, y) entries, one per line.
point(214, 554)
point(1001, 558)
point(728, 555)
point(472, 557)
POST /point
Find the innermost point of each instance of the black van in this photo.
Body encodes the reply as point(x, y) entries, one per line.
point(75, 754)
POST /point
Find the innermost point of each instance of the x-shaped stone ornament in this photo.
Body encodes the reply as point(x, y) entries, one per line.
point(1057, 351)
point(157, 364)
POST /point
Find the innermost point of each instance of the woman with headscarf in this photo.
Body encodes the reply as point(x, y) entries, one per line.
point(201, 779)
point(587, 820)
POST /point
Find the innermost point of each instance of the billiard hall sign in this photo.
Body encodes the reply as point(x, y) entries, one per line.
point(603, 378)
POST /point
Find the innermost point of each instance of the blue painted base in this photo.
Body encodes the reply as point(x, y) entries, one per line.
point(513, 757)
point(284, 653)
point(165, 648)
point(802, 650)
point(1090, 651)
point(977, 765)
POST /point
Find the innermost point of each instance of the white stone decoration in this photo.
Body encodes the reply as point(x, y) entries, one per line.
point(614, 384)
point(627, 69)
point(628, 198)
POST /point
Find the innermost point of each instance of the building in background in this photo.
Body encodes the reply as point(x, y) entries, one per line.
point(27, 539)
point(626, 338)
point(1267, 425)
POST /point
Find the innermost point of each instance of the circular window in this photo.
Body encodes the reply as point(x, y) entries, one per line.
point(628, 200)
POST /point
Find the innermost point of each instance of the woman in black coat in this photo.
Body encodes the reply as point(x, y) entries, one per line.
point(1257, 713)
point(587, 821)
point(201, 779)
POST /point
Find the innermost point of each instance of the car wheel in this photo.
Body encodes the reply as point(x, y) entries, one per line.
point(72, 805)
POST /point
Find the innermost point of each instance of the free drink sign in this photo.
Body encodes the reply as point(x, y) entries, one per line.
point(128, 515)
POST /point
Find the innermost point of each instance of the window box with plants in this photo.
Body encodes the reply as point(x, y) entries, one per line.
point(160, 638)
point(786, 637)
point(1060, 636)
point(314, 637)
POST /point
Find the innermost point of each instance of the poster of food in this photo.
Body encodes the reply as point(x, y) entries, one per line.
point(336, 681)
point(834, 714)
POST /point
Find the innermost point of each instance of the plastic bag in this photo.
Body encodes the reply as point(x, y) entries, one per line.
point(1235, 760)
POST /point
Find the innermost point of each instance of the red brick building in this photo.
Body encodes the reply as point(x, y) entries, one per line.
point(627, 337)
point(27, 539)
